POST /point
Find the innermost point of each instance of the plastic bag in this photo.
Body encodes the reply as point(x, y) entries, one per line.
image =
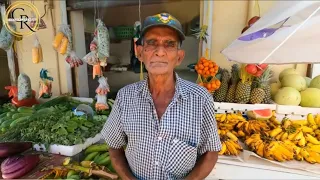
point(6, 39)
point(36, 51)
point(101, 102)
point(97, 72)
point(91, 58)
point(24, 87)
point(73, 60)
point(63, 40)
point(45, 90)
point(103, 87)
point(103, 40)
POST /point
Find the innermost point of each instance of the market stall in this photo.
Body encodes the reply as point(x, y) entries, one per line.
point(279, 138)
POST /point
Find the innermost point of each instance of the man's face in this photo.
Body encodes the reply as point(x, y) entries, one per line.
point(160, 51)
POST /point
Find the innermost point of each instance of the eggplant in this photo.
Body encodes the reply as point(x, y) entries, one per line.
point(17, 166)
point(12, 148)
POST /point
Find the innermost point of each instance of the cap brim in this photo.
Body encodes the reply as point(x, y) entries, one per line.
point(180, 33)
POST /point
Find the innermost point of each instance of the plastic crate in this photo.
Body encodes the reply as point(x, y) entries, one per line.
point(124, 32)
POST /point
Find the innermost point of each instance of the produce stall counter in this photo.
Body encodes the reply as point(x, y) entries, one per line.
point(228, 169)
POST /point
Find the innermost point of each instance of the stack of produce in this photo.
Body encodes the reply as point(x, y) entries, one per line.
point(16, 165)
point(95, 165)
point(207, 71)
point(221, 93)
point(230, 97)
point(291, 140)
point(294, 89)
point(261, 93)
point(50, 123)
point(228, 137)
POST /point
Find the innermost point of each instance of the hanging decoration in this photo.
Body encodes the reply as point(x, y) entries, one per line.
point(37, 56)
point(62, 43)
point(201, 33)
point(6, 39)
point(45, 90)
point(99, 49)
point(102, 91)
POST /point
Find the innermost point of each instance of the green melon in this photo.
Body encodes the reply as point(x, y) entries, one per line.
point(288, 96)
point(286, 72)
point(295, 81)
point(308, 81)
point(274, 88)
point(315, 82)
point(261, 114)
point(310, 98)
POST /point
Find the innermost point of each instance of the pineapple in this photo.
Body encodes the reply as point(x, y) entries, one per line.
point(257, 94)
point(220, 94)
point(234, 81)
point(265, 78)
point(243, 89)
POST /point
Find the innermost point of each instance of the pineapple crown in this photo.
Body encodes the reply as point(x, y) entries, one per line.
point(225, 75)
point(235, 74)
point(265, 77)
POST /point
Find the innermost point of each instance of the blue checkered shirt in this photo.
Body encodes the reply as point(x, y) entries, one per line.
point(167, 148)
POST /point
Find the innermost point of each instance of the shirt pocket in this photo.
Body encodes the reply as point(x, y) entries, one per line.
point(182, 158)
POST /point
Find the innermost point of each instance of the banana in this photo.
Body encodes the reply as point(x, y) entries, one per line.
point(274, 120)
point(310, 119)
point(298, 136)
point(91, 156)
point(259, 150)
point(229, 117)
point(284, 136)
point(223, 149)
point(302, 142)
point(278, 137)
point(299, 157)
point(317, 119)
point(315, 155)
point(96, 148)
point(232, 136)
point(218, 116)
point(246, 128)
point(286, 123)
point(287, 152)
point(234, 116)
point(236, 145)
point(277, 156)
point(315, 148)
point(312, 139)
point(306, 129)
point(223, 132)
point(300, 122)
point(240, 124)
point(305, 154)
point(292, 135)
point(231, 148)
point(219, 131)
point(249, 141)
point(223, 117)
point(275, 132)
point(314, 127)
point(241, 133)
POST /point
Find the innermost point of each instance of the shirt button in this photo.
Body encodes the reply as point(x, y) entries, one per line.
point(159, 138)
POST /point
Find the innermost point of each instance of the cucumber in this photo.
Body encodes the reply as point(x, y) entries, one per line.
point(25, 110)
point(19, 115)
point(10, 114)
point(16, 121)
point(3, 115)
point(6, 123)
point(4, 119)
point(45, 110)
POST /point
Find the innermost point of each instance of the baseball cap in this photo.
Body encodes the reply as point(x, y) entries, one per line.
point(162, 19)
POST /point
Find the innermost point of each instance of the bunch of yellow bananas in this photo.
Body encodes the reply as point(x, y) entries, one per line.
point(272, 150)
point(247, 128)
point(230, 145)
point(229, 118)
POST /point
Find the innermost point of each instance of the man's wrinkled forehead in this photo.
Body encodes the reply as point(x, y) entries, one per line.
point(161, 33)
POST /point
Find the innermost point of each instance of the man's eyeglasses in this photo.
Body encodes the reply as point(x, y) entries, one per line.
point(168, 45)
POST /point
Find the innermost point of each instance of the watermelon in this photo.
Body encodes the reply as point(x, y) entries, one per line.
point(261, 114)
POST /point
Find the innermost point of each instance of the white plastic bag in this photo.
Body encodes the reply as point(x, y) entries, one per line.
point(73, 60)
point(65, 29)
point(101, 102)
point(6, 39)
point(103, 87)
point(103, 40)
point(91, 58)
point(24, 87)
point(36, 51)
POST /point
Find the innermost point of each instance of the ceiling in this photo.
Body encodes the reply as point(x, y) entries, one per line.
point(88, 4)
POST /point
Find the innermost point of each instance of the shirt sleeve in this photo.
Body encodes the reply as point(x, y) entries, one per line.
point(209, 140)
point(112, 131)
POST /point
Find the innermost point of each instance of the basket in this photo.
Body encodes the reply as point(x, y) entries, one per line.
point(124, 32)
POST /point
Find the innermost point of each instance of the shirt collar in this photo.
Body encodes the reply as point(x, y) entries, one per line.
point(179, 88)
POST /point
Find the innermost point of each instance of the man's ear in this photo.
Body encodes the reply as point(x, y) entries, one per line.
point(139, 52)
point(181, 54)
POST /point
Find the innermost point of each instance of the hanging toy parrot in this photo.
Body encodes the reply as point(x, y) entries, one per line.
point(45, 84)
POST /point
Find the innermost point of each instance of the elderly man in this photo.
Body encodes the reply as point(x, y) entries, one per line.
point(166, 123)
